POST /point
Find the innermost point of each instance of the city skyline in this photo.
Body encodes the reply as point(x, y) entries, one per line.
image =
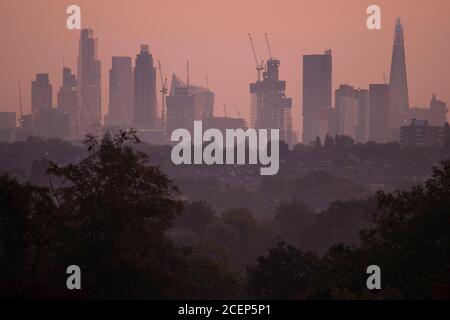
point(421, 85)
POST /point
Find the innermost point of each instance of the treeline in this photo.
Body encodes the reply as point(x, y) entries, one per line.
point(127, 226)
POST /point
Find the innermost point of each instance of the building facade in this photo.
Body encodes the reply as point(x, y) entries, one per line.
point(41, 94)
point(420, 133)
point(185, 104)
point(8, 126)
point(89, 84)
point(270, 108)
point(145, 101)
point(317, 105)
point(379, 112)
point(68, 101)
point(121, 107)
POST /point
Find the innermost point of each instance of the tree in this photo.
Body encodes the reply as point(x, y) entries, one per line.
point(411, 237)
point(291, 218)
point(115, 210)
point(285, 273)
point(196, 216)
point(329, 141)
point(318, 143)
point(25, 227)
point(409, 241)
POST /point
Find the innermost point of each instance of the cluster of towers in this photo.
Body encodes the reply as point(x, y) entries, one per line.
point(133, 101)
point(375, 114)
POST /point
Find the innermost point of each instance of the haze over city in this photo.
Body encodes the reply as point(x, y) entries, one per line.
point(212, 35)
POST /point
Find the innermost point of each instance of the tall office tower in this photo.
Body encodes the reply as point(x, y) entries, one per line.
point(121, 107)
point(145, 103)
point(398, 100)
point(317, 108)
point(379, 112)
point(41, 94)
point(269, 106)
point(68, 101)
point(185, 104)
point(362, 131)
point(89, 84)
point(438, 110)
point(347, 115)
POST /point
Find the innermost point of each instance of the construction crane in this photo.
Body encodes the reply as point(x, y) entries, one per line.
point(187, 73)
point(20, 104)
point(207, 82)
point(163, 92)
point(268, 45)
point(259, 65)
point(237, 110)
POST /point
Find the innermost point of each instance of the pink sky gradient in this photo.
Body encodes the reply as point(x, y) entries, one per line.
point(212, 34)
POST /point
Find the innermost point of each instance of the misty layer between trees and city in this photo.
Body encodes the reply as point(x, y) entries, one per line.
point(141, 227)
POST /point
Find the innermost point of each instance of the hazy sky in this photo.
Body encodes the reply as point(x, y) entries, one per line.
point(212, 34)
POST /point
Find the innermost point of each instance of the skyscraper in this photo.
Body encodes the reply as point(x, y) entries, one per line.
point(363, 129)
point(347, 110)
point(317, 108)
point(121, 107)
point(145, 103)
point(89, 84)
point(398, 100)
point(41, 94)
point(187, 103)
point(379, 112)
point(68, 100)
point(269, 106)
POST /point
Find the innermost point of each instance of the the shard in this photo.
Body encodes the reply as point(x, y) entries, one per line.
point(398, 99)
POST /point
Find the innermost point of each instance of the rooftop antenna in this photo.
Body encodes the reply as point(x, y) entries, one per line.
point(225, 110)
point(268, 45)
point(20, 104)
point(207, 82)
point(259, 65)
point(384, 77)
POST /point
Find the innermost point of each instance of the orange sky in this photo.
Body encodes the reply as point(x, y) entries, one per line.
point(212, 34)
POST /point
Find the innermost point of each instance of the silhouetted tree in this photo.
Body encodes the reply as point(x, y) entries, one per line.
point(196, 216)
point(26, 219)
point(411, 238)
point(291, 218)
point(410, 242)
point(329, 141)
point(318, 143)
point(285, 273)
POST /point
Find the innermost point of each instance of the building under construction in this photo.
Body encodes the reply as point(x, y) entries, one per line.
point(270, 109)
